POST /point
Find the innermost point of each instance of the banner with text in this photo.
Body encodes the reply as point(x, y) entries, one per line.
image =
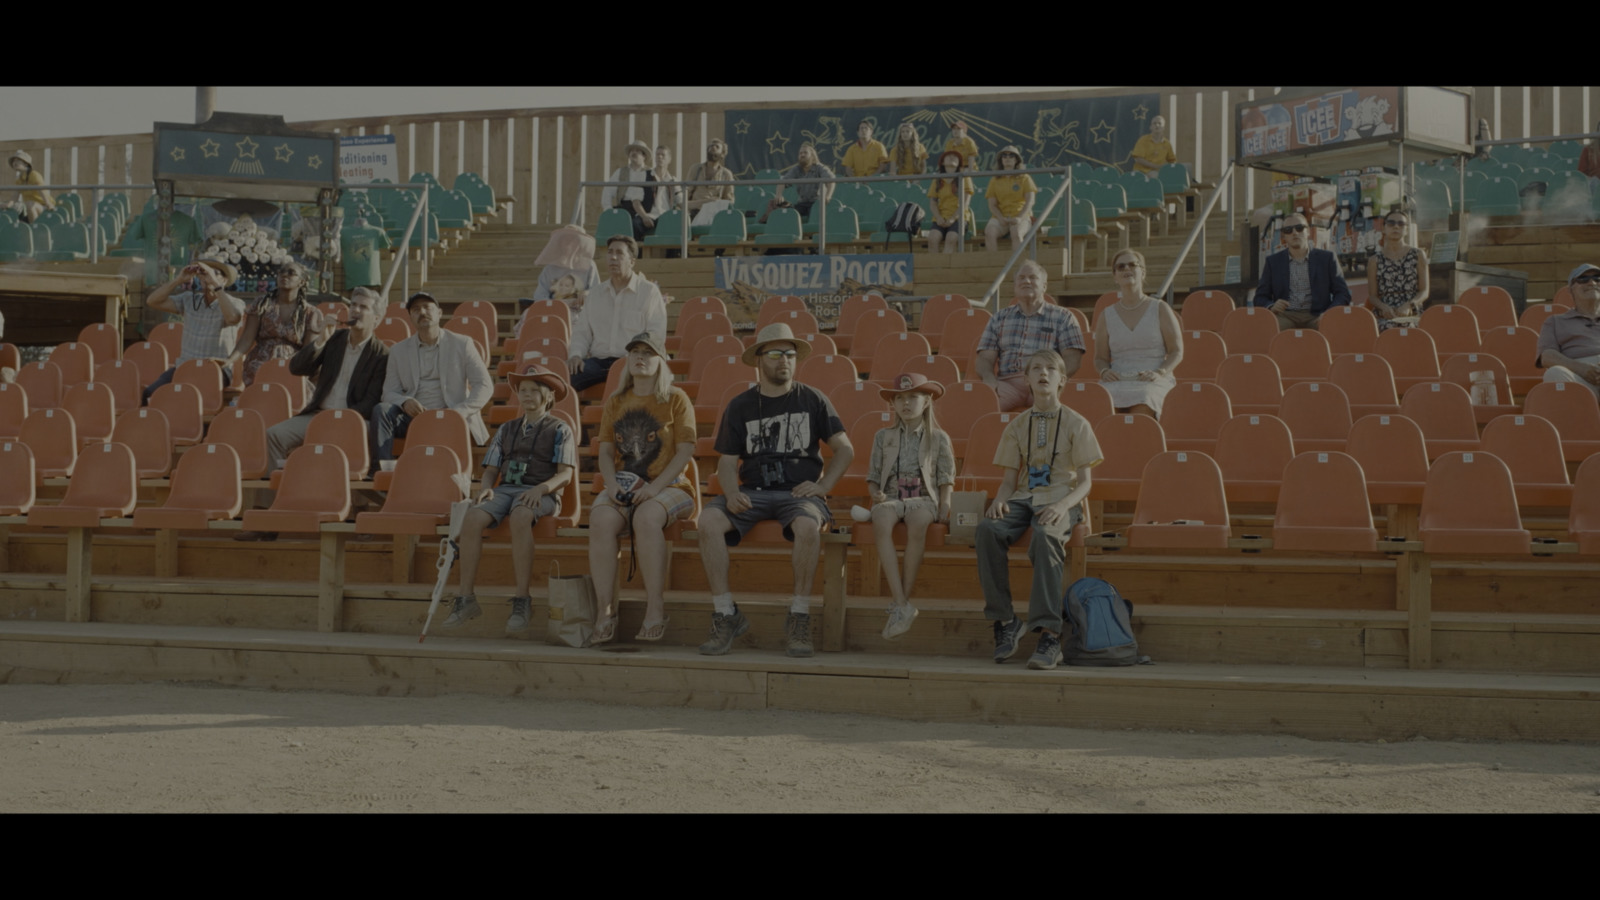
point(824, 282)
point(363, 159)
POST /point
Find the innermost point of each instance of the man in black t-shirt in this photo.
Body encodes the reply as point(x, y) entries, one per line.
point(770, 439)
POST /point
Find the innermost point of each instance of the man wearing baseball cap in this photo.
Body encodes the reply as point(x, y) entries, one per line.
point(1569, 344)
point(211, 317)
point(771, 468)
point(432, 369)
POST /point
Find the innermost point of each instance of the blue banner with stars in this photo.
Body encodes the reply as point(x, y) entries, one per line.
point(247, 157)
point(1049, 132)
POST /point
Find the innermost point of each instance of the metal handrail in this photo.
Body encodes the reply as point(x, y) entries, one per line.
point(1031, 240)
point(98, 189)
point(1198, 232)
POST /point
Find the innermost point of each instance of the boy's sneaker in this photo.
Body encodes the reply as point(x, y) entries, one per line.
point(724, 630)
point(521, 612)
point(1006, 637)
point(798, 627)
point(900, 619)
point(1047, 655)
point(463, 609)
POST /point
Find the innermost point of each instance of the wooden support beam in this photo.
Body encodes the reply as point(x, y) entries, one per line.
point(166, 553)
point(80, 566)
point(1413, 594)
point(834, 549)
point(405, 547)
point(330, 581)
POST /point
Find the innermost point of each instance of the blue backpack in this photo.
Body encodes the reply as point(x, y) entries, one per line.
point(1100, 627)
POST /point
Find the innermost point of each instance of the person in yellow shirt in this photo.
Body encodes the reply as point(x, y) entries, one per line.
point(1010, 200)
point(909, 157)
point(1153, 150)
point(967, 147)
point(866, 156)
point(32, 203)
point(951, 204)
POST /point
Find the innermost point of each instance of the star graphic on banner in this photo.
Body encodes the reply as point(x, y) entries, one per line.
point(282, 152)
point(1140, 112)
point(781, 141)
point(209, 148)
point(314, 161)
point(177, 154)
point(247, 148)
point(741, 127)
point(1102, 132)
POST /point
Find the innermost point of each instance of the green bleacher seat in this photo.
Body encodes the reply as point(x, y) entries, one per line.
point(478, 191)
point(727, 229)
point(1495, 197)
point(784, 226)
point(668, 233)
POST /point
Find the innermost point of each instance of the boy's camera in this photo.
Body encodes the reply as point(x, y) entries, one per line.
point(516, 469)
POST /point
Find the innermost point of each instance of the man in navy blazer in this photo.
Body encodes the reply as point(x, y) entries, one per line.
point(1299, 283)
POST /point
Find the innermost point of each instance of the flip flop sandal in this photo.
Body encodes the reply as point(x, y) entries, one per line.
point(605, 633)
point(653, 632)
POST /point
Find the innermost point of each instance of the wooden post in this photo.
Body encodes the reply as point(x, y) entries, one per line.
point(871, 579)
point(330, 582)
point(405, 548)
point(833, 575)
point(1413, 593)
point(5, 548)
point(80, 566)
point(166, 553)
point(1077, 562)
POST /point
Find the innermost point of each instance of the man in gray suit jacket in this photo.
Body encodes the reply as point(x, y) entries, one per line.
point(432, 369)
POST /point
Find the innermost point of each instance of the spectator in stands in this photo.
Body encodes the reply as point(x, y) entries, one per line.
point(909, 479)
point(1589, 158)
point(1569, 343)
point(771, 468)
point(211, 316)
point(29, 204)
point(1298, 283)
point(570, 251)
point(618, 308)
point(959, 142)
point(909, 157)
point(1054, 448)
point(1153, 150)
point(431, 369)
point(638, 201)
point(278, 324)
point(668, 196)
point(802, 175)
point(1138, 342)
point(348, 368)
point(866, 156)
point(1030, 324)
point(705, 202)
point(1397, 276)
point(1010, 199)
point(647, 434)
point(1484, 151)
point(950, 205)
point(530, 461)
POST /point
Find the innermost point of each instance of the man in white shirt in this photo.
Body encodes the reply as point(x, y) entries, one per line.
point(622, 306)
point(432, 369)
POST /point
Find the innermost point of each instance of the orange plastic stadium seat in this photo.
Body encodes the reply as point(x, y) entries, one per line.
point(1323, 506)
point(204, 376)
point(1411, 354)
point(963, 402)
point(268, 399)
point(480, 309)
point(1574, 413)
point(820, 343)
point(547, 351)
point(420, 495)
point(103, 340)
point(1531, 448)
point(1368, 381)
point(551, 307)
point(1249, 329)
point(93, 411)
point(1534, 314)
point(852, 485)
point(439, 428)
point(53, 438)
point(892, 353)
point(1253, 383)
point(1206, 310)
point(335, 311)
point(1085, 370)
point(1203, 352)
point(147, 434)
point(1492, 305)
point(13, 410)
point(1128, 442)
point(10, 356)
point(1454, 329)
point(774, 307)
point(1100, 304)
point(852, 401)
point(105, 487)
point(245, 432)
point(181, 403)
point(1458, 370)
point(315, 488)
point(475, 328)
point(151, 358)
point(345, 429)
point(1444, 413)
point(1318, 415)
point(871, 327)
point(697, 325)
point(392, 330)
point(704, 350)
point(42, 381)
point(19, 481)
point(935, 311)
point(1563, 297)
point(978, 471)
point(205, 488)
point(1252, 452)
point(851, 311)
point(76, 362)
point(1301, 355)
point(942, 369)
point(719, 372)
point(1349, 329)
point(1518, 349)
point(823, 372)
point(703, 303)
point(1583, 522)
point(530, 326)
point(276, 371)
point(1193, 416)
point(169, 335)
point(1089, 399)
point(122, 379)
point(1394, 456)
point(1470, 507)
point(1178, 486)
point(800, 321)
point(962, 331)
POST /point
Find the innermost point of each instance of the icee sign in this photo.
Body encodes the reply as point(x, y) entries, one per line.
point(824, 281)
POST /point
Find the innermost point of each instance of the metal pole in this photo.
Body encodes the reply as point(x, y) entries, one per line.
point(683, 229)
point(94, 228)
point(402, 259)
point(961, 213)
point(205, 102)
point(1022, 245)
point(1198, 231)
point(426, 221)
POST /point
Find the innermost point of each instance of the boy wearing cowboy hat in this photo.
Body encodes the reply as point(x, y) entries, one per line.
point(771, 468)
point(530, 461)
point(210, 317)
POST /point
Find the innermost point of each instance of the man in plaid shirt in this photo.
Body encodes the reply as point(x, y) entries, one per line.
point(1031, 323)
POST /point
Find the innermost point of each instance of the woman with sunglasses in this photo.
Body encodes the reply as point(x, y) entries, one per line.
point(278, 324)
point(1138, 342)
point(1397, 276)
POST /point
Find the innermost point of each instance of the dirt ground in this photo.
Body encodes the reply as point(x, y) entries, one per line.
point(181, 748)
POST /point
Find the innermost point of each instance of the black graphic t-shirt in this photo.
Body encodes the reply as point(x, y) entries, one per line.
point(778, 439)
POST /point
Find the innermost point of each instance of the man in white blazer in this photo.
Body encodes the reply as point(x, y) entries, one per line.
point(432, 369)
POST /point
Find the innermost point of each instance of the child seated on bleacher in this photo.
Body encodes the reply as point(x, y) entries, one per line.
point(566, 290)
point(529, 462)
point(909, 479)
